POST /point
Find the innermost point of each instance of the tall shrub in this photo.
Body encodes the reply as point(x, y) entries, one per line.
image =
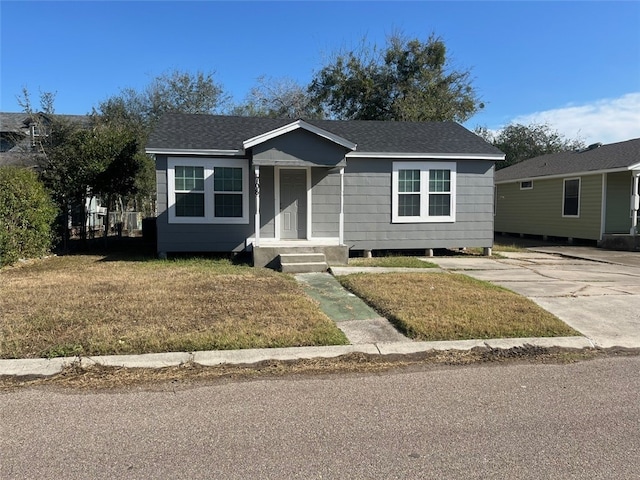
point(26, 215)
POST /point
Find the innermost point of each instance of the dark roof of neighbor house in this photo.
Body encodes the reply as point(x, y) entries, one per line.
point(204, 132)
point(16, 122)
point(14, 129)
point(12, 122)
point(613, 156)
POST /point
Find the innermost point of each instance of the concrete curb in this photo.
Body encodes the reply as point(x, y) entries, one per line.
point(42, 367)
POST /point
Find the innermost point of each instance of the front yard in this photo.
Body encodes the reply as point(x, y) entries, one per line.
point(96, 305)
point(88, 305)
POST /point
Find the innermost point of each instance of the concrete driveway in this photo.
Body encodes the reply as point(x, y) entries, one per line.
point(594, 291)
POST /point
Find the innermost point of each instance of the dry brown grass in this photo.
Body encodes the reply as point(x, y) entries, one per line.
point(432, 306)
point(85, 305)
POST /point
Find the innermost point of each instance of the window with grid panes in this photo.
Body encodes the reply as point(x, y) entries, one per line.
point(189, 191)
point(423, 192)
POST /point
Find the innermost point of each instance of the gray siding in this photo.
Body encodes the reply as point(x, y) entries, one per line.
point(185, 237)
point(368, 209)
point(161, 184)
point(299, 146)
point(325, 188)
point(267, 203)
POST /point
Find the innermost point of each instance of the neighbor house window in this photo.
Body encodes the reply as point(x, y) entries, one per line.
point(423, 192)
point(571, 198)
point(526, 185)
point(212, 190)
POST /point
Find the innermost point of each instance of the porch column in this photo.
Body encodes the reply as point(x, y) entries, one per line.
point(257, 216)
point(341, 218)
point(635, 203)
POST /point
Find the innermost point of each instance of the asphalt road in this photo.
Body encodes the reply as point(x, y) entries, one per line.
point(579, 421)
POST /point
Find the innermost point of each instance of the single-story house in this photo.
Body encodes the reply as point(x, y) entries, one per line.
point(228, 184)
point(587, 194)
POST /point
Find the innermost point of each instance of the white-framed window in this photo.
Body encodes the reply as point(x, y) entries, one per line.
point(208, 190)
point(423, 192)
point(571, 197)
point(526, 185)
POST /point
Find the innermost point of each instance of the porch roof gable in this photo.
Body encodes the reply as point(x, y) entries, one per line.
point(298, 124)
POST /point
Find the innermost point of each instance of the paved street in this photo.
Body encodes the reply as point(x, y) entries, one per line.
point(601, 300)
point(572, 421)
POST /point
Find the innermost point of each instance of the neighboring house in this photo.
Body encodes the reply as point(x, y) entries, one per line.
point(20, 134)
point(227, 184)
point(20, 145)
point(588, 194)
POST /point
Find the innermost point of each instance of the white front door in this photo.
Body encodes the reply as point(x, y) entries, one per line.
point(293, 203)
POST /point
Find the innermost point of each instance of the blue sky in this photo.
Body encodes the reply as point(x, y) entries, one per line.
point(575, 65)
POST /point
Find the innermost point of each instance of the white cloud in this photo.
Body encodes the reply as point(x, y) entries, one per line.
point(609, 120)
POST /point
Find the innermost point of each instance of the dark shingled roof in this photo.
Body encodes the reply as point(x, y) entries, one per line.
point(14, 130)
point(208, 132)
point(613, 156)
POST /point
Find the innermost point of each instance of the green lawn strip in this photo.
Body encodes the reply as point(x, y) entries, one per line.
point(89, 305)
point(391, 261)
point(453, 307)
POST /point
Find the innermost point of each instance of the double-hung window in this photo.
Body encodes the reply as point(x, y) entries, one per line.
point(212, 190)
point(571, 198)
point(189, 191)
point(423, 192)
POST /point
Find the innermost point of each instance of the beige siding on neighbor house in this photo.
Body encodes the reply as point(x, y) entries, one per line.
point(538, 211)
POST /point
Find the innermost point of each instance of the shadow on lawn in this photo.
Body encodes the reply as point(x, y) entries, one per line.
point(136, 249)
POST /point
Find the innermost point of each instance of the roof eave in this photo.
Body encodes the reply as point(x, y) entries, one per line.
point(570, 174)
point(193, 151)
point(425, 155)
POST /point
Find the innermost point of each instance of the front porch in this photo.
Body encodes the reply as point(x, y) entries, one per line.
point(621, 241)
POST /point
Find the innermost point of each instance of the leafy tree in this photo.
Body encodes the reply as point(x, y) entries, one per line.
point(137, 111)
point(409, 80)
point(174, 91)
point(520, 142)
point(277, 98)
point(26, 215)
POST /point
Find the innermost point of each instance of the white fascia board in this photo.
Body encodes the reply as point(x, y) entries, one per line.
point(566, 175)
point(188, 151)
point(294, 126)
point(423, 156)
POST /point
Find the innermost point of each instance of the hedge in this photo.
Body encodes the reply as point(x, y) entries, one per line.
point(27, 214)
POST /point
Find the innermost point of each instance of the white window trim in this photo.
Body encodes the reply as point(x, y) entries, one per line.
point(209, 207)
point(424, 168)
point(530, 187)
point(564, 186)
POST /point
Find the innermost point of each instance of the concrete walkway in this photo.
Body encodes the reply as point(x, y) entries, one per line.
point(359, 322)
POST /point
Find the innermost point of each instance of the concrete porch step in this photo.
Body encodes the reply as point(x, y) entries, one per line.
point(303, 262)
point(303, 257)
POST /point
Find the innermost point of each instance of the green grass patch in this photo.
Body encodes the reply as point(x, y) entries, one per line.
point(391, 261)
point(96, 305)
point(432, 306)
